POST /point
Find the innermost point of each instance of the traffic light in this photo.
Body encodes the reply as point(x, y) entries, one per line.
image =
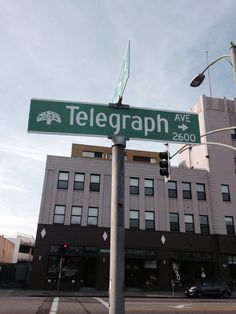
point(164, 163)
point(233, 58)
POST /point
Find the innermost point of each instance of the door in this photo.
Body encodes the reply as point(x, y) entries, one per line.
point(134, 273)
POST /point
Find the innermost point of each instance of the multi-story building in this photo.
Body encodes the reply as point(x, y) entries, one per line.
point(183, 230)
point(24, 247)
point(6, 250)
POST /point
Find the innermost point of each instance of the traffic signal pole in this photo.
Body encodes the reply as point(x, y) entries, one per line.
point(117, 239)
point(59, 275)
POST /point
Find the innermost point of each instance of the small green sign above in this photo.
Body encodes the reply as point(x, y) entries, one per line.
point(123, 76)
point(76, 118)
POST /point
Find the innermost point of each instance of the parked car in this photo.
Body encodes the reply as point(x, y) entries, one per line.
point(215, 288)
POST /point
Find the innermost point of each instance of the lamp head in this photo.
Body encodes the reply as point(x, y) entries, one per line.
point(197, 81)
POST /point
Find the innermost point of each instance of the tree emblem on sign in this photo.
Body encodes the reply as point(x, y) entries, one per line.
point(49, 116)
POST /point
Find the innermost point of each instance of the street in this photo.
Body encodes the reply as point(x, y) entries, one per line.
point(97, 305)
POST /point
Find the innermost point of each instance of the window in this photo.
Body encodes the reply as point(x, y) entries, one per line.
point(189, 225)
point(225, 193)
point(149, 187)
point(79, 181)
point(233, 134)
point(141, 158)
point(95, 182)
point(232, 259)
point(63, 178)
point(25, 249)
point(229, 222)
point(174, 222)
point(59, 214)
point(172, 189)
point(186, 186)
point(134, 218)
point(149, 220)
point(92, 154)
point(92, 216)
point(204, 224)
point(76, 214)
point(201, 192)
point(134, 186)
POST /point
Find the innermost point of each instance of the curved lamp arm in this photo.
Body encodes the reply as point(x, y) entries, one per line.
point(200, 77)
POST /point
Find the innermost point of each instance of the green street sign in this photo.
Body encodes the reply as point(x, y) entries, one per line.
point(123, 76)
point(77, 118)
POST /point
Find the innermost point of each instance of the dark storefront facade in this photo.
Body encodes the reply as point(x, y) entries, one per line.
point(153, 259)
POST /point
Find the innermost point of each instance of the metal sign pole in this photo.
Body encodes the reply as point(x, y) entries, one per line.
point(117, 255)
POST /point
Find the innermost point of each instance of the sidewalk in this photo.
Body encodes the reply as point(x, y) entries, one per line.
point(89, 293)
point(94, 293)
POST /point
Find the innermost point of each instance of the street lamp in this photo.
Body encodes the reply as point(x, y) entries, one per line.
point(197, 81)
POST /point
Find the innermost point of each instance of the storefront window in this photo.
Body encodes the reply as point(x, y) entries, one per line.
point(53, 267)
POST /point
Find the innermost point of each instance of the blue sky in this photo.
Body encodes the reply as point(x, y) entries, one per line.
point(72, 50)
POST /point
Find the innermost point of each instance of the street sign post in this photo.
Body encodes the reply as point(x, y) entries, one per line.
point(123, 76)
point(77, 118)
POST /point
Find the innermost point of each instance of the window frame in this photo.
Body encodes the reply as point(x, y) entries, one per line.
point(201, 195)
point(134, 222)
point(79, 185)
point(59, 215)
point(76, 215)
point(187, 193)
point(172, 193)
point(174, 225)
point(133, 189)
point(89, 154)
point(92, 216)
point(233, 134)
point(204, 227)
point(189, 224)
point(148, 190)
point(63, 184)
point(230, 229)
point(148, 225)
point(225, 195)
point(94, 186)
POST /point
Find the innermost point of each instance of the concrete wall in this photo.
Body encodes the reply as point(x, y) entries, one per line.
point(216, 113)
point(6, 250)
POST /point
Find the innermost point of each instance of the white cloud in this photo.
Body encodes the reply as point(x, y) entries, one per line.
point(11, 187)
point(22, 152)
point(16, 223)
